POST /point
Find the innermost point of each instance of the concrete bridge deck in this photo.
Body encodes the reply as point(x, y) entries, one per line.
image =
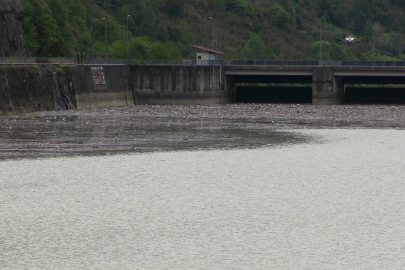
point(92, 86)
point(328, 82)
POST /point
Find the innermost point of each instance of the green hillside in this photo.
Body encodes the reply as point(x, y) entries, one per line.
point(243, 29)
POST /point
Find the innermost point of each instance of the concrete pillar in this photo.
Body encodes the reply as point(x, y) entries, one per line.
point(326, 88)
point(230, 88)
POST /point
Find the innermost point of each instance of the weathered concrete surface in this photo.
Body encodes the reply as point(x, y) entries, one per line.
point(33, 88)
point(326, 88)
point(101, 86)
point(12, 39)
point(54, 87)
point(179, 85)
point(328, 82)
point(269, 70)
point(57, 87)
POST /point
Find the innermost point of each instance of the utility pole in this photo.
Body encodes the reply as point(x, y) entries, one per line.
point(106, 30)
point(320, 22)
point(91, 30)
point(213, 33)
point(127, 38)
point(282, 47)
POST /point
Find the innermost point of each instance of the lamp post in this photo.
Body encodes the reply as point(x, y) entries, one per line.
point(127, 38)
point(106, 30)
point(92, 18)
point(282, 47)
point(320, 23)
point(213, 32)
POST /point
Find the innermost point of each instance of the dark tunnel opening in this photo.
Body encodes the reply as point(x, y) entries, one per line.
point(273, 89)
point(374, 95)
point(279, 94)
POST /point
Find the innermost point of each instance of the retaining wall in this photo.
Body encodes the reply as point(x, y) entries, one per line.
point(32, 89)
point(29, 88)
point(100, 86)
point(179, 85)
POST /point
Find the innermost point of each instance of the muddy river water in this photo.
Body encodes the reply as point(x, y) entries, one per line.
point(199, 194)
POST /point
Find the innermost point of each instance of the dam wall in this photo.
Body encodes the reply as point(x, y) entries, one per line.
point(33, 88)
point(38, 87)
point(100, 86)
point(179, 85)
point(45, 87)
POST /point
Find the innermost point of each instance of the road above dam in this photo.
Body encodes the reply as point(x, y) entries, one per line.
point(38, 87)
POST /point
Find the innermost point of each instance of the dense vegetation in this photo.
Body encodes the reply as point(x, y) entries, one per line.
point(244, 29)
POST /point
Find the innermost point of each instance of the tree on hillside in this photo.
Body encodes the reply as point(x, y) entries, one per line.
point(78, 13)
point(240, 7)
point(162, 34)
point(396, 26)
point(48, 40)
point(299, 22)
point(395, 43)
point(400, 3)
point(256, 49)
point(333, 11)
point(360, 23)
point(60, 14)
point(175, 8)
point(325, 9)
point(145, 18)
point(279, 17)
point(331, 51)
point(360, 6)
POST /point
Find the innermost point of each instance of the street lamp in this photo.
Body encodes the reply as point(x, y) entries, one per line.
point(105, 36)
point(282, 47)
point(213, 32)
point(320, 23)
point(92, 18)
point(127, 37)
point(106, 30)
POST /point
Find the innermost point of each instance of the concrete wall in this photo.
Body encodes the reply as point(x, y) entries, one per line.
point(27, 88)
point(54, 87)
point(100, 86)
point(33, 88)
point(179, 85)
point(327, 89)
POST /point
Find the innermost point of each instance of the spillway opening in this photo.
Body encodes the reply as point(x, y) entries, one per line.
point(375, 95)
point(273, 94)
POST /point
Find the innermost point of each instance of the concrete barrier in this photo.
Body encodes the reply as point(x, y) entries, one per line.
point(26, 88)
point(179, 85)
point(100, 86)
point(33, 88)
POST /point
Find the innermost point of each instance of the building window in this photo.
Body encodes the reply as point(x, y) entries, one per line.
point(199, 57)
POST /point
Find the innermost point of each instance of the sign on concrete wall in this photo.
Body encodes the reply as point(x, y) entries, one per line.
point(98, 79)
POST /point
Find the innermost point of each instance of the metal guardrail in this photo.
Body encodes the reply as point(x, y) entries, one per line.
point(159, 62)
point(37, 60)
point(305, 63)
point(98, 61)
point(269, 63)
point(105, 61)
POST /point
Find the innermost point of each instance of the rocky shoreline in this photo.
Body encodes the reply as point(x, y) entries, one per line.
point(144, 128)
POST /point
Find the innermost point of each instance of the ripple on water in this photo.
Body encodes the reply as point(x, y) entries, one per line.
point(334, 202)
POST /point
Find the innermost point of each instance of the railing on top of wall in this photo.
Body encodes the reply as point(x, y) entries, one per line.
point(269, 63)
point(106, 61)
point(37, 60)
point(98, 61)
point(314, 63)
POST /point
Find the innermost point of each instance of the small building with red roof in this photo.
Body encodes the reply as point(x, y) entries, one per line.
point(207, 54)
